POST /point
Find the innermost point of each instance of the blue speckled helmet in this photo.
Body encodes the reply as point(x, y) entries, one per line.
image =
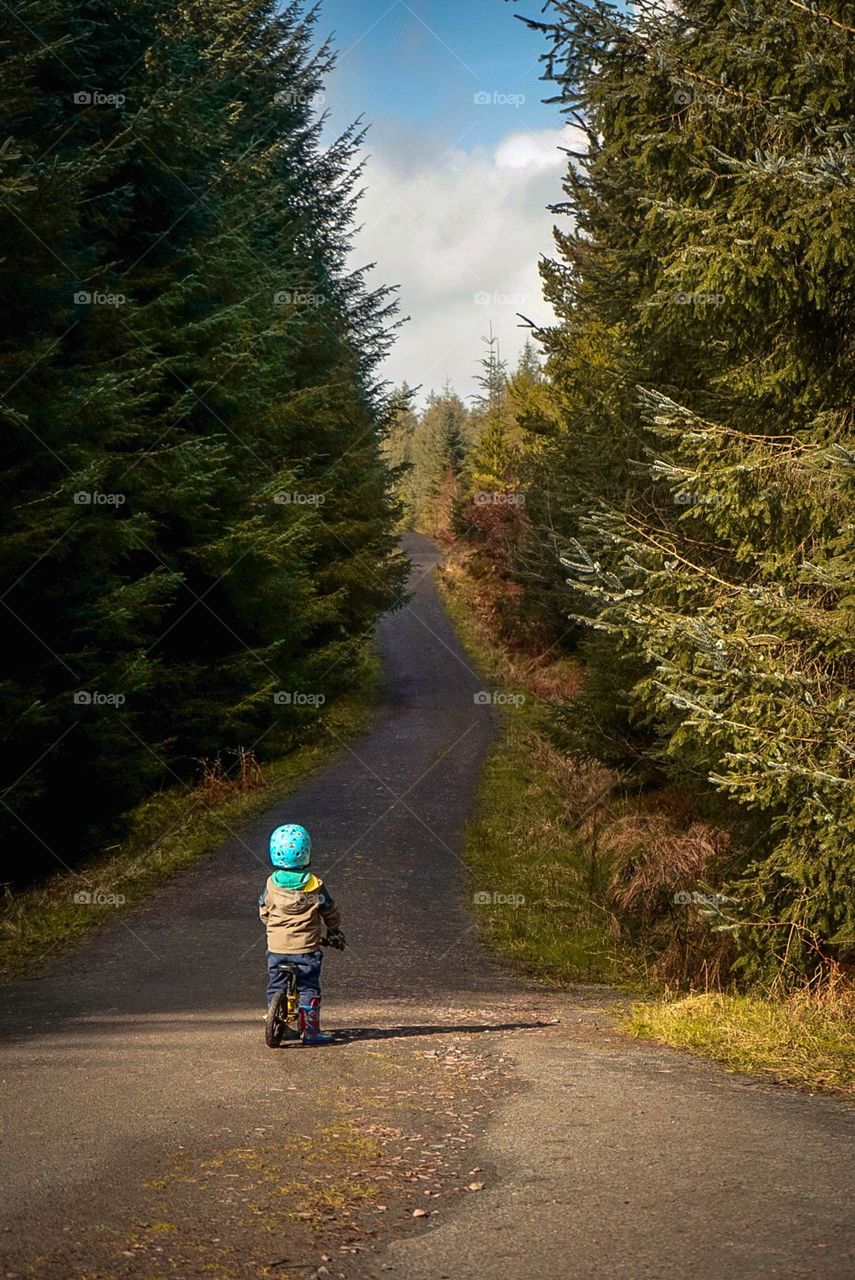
point(291, 848)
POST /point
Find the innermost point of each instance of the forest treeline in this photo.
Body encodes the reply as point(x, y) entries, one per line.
point(671, 496)
point(196, 522)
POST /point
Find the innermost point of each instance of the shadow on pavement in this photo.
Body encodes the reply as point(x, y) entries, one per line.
point(351, 1035)
point(394, 1033)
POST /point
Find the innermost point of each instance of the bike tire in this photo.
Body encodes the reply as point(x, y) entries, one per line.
point(276, 1022)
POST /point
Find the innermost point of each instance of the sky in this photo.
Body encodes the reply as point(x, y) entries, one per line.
point(463, 160)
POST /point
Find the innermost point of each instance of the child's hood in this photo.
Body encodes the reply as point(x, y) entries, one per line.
point(294, 898)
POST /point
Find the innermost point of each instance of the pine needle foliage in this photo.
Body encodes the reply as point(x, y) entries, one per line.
point(196, 511)
point(702, 455)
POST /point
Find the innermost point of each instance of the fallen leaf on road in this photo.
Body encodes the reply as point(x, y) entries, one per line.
point(476, 1186)
point(421, 1213)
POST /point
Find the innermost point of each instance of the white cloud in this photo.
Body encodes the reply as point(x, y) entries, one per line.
point(462, 239)
point(538, 150)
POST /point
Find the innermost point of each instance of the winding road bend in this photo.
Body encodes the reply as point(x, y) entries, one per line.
point(147, 1132)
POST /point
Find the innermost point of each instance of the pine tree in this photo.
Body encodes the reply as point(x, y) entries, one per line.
point(437, 456)
point(534, 568)
point(703, 454)
point(492, 454)
point(229, 407)
point(73, 405)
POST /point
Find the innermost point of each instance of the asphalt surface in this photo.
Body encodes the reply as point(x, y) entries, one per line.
point(602, 1157)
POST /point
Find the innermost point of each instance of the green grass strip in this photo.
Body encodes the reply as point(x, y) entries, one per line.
point(805, 1040)
point(535, 880)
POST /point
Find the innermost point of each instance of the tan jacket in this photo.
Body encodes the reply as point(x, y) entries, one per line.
point(295, 918)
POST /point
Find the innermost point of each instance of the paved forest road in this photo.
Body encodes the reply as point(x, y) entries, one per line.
point(147, 1132)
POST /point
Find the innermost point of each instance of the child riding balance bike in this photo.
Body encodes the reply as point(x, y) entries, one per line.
point(301, 918)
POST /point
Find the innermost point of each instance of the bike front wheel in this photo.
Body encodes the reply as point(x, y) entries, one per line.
point(276, 1022)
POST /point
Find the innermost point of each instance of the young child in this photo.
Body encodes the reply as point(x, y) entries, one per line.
point(295, 906)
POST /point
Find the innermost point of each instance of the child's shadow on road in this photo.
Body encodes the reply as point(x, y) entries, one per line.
point(345, 1035)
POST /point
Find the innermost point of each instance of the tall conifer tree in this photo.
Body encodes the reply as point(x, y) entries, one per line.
point(702, 456)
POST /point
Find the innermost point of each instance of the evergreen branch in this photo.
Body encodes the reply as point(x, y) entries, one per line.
point(671, 551)
point(824, 17)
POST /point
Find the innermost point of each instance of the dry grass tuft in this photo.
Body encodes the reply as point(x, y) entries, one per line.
point(218, 783)
point(654, 865)
point(553, 680)
point(653, 860)
point(586, 787)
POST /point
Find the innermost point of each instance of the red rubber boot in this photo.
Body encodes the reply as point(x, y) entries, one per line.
point(310, 1023)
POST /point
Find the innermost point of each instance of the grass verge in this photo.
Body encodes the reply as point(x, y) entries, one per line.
point(167, 833)
point(541, 849)
point(805, 1039)
point(536, 880)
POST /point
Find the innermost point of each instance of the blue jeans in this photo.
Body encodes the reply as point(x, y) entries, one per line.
point(308, 974)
